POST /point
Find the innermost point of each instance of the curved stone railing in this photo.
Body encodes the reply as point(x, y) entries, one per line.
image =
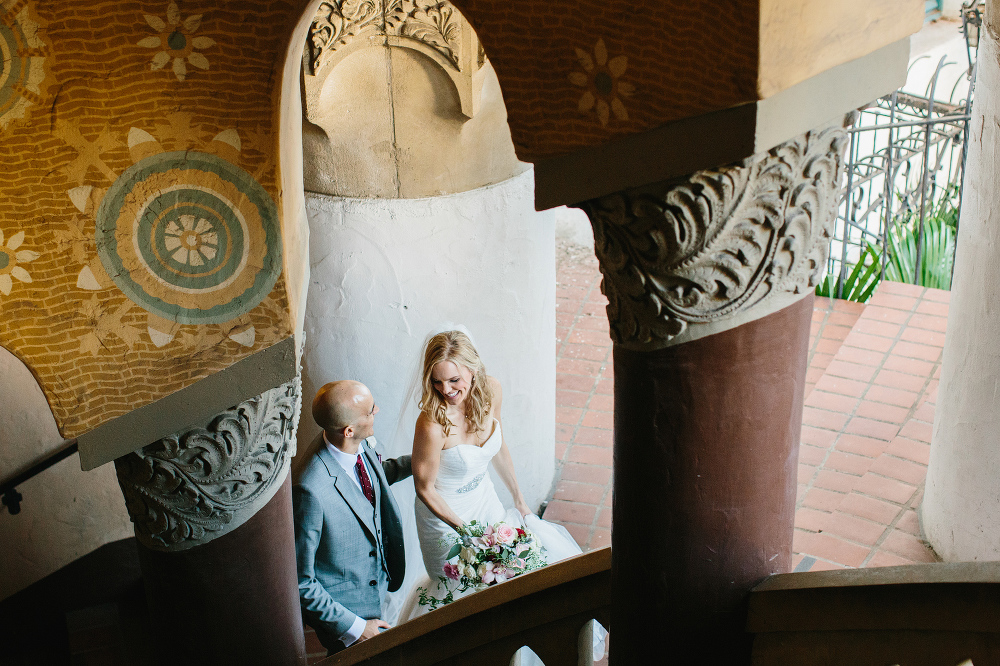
point(916, 615)
point(548, 610)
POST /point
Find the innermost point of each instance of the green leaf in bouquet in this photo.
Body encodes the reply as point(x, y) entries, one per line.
point(455, 550)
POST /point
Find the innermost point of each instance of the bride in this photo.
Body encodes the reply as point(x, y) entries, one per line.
point(458, 433)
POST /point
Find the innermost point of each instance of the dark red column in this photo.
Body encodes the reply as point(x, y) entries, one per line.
point(706, 452)
point(233, 600)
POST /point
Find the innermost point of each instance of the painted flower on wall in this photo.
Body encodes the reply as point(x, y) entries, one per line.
point(10, 262)
point(176, 42)
point(601, 79)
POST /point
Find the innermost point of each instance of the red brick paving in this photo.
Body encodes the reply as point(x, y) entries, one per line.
point(584, 405)
point(869, 407)
point(863, 493)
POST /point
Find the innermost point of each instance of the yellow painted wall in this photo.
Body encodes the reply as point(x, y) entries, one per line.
point(140, 233)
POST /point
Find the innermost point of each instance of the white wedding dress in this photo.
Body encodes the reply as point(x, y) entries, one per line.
point(464, 482)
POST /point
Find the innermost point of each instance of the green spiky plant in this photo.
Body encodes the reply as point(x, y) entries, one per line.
point(936, 256)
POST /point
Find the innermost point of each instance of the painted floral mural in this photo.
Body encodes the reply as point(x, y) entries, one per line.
point(140, 239)
point(176, 42)
point(12, 260)
point(601, 80)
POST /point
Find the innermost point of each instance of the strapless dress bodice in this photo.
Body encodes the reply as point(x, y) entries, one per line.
point(462, 468)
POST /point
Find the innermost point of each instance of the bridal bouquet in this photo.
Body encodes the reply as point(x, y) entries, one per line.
point(486, 555)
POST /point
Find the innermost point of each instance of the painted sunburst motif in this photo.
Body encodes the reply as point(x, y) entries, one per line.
point(22, 61)
point(185, 234)
point(601, 78)
point(176, 42)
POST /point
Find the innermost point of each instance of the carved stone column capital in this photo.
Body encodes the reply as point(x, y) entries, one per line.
point(198, 484)
point(690, 257)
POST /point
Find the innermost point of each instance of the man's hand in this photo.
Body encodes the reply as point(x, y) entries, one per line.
point(372, 629)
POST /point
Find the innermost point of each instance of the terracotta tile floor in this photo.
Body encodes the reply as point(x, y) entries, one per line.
point(869, 408)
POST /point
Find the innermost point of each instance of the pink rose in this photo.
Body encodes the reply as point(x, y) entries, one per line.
point(506, 534)
point(451, 571)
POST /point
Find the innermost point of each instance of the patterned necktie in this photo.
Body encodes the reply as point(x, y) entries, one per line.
point(366, 483)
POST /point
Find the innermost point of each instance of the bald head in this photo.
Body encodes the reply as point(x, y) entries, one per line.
point(341, 404)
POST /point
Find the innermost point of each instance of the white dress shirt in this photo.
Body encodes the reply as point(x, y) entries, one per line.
point(349, 462)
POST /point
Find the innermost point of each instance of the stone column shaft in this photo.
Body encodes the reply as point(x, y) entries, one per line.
point(233, 600)
point(706, 454)
point(709, 281)
point(212, 509)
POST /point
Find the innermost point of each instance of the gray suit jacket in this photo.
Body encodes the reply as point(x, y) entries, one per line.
point(347, 555)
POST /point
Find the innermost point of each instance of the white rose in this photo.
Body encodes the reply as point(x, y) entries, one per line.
point(469, 571)
point(469, 555)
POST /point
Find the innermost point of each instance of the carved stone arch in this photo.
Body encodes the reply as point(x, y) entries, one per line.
point(435, 29)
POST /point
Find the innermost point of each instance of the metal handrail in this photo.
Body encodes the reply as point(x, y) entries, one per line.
point(11, 498)
point(912, 123)
point(906, 156)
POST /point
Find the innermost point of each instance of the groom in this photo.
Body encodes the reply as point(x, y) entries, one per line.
point(348, 535)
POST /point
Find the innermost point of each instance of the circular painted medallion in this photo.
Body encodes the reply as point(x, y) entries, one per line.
point(21, 64)
point(190, 237)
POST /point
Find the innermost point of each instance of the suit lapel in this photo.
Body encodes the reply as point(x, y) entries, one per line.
point(349, 490)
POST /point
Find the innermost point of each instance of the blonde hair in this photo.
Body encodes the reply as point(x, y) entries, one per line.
point(455, 346)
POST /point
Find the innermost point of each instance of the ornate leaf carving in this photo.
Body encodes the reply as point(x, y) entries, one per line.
point(704, 248)
point(436, 24)
point(198, 484)
point(336, 22)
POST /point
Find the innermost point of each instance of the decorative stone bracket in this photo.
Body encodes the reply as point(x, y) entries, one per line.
point(435, 29)
point(690, 257)
point(198, 484)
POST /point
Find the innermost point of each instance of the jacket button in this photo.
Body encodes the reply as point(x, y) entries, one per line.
point(371, 554)
point(373, 583)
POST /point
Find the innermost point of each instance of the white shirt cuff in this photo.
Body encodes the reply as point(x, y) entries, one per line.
point(354, 633)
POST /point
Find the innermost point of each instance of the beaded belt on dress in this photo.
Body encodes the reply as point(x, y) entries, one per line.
point(472, 485)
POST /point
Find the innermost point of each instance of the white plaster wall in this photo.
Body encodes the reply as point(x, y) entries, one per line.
point(573, 226)
point(66, 513)
point(384, 273)
point(961, 506)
